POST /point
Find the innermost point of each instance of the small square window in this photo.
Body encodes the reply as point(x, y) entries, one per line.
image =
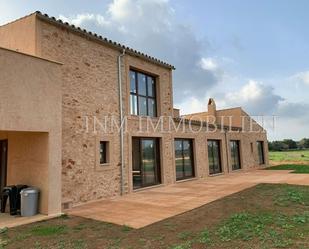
point(104, 147)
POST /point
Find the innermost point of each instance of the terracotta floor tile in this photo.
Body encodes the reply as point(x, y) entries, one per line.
point(143, 208)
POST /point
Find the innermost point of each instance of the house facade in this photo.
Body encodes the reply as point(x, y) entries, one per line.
point(87, 118)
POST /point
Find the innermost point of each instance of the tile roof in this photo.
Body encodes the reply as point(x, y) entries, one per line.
point(104, 40)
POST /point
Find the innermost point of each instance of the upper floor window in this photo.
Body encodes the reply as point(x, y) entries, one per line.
point(142, 94)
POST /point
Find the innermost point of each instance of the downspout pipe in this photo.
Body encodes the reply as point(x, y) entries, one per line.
point(227, 152)
point(121, 122)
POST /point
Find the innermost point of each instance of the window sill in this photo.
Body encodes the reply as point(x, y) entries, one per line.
point(187, 179)
point(236, 170)
point(104, 167)
point(218, 174)
point(138, 117)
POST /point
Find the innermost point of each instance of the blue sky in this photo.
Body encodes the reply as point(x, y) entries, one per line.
point(243, 53)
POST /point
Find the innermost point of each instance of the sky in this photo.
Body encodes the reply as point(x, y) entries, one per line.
point(252, 54)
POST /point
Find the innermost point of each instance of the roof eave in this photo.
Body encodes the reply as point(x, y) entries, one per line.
point(101, 39)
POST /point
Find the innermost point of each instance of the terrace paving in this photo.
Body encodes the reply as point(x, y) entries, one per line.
point(148, 206)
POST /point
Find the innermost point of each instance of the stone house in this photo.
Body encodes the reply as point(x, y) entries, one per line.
point(75, 115)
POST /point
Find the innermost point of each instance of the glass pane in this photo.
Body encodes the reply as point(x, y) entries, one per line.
point(210, 158)
point(148, 158)
point(151, 86)
point(103, 152)
point(237, 153)
point(261, 152)
point(137, 177)
point(178, 159)
point(142, 106)
point(141, 79)
point(132, 82)
point(188, 165)
point(133, 105)
point(214, 158)
point(183, 159)
point(151, 107)
point(232, 154)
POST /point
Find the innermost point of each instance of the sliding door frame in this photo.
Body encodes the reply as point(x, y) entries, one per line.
point(157, 161)
point(237, 142)
point(219, 154)
point(191, 141)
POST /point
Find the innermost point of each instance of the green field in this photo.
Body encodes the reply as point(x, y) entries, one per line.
point(297, 168)
point(301, 156)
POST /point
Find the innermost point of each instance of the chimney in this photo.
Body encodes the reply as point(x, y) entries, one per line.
point(212, 109)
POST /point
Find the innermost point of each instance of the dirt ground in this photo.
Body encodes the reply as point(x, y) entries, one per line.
point(275, 163)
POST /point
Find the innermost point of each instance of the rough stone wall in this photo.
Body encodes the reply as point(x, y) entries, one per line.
point(90, 88)
point(89, 85)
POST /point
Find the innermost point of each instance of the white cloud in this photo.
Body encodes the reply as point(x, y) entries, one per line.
point(141, 15)
point(256, 97)
point(302, 76)
point(82, 19)
point(208, 64)
point(150, 26)
point(121, 9)
point(252, 91)
point(193, 105)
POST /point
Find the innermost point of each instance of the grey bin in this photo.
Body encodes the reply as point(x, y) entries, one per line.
point(29, 201)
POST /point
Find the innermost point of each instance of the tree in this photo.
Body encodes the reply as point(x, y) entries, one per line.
point(304, 143)
point(277, 146)
point(290, 143)
point(270, 146)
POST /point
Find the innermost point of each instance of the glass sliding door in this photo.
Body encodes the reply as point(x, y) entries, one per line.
point(184, 159)
point(235, 154)
point(146, 162)
point(214, 158)
point(260, 147)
